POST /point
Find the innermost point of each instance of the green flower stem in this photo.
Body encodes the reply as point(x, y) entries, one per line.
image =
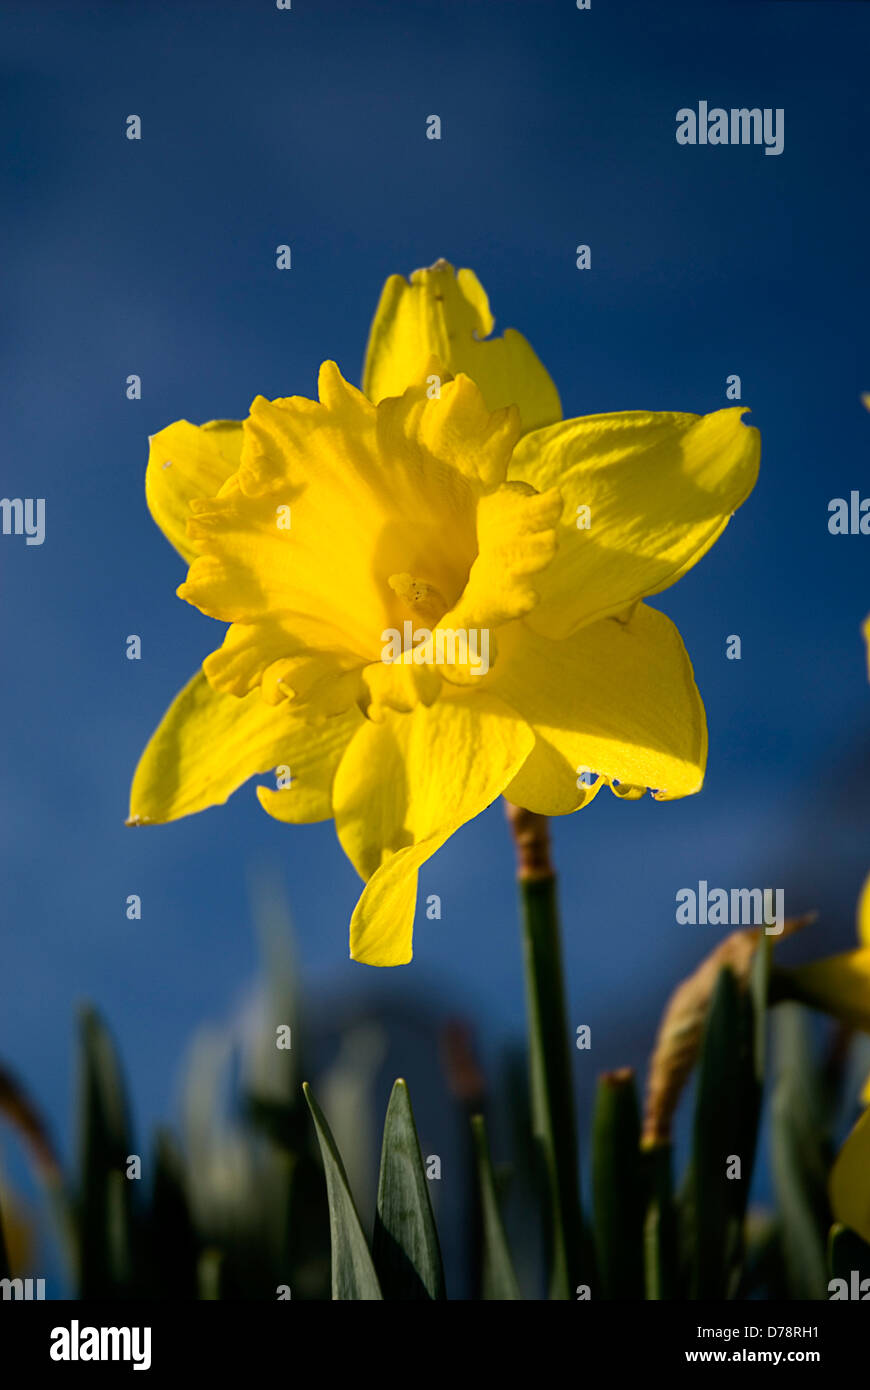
point(549, 1054)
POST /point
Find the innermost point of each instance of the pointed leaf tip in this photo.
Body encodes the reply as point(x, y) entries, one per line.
point(406, 1250)
point(353, 1273)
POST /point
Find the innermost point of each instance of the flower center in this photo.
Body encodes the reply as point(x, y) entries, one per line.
point(424, 601)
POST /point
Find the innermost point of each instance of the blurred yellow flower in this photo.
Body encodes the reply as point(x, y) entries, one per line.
point(849, 1187)
point(434, 596)
point(846, 982)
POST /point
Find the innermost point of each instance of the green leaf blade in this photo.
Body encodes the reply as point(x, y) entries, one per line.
point(618, 1188)
point(661, 1249)
point(719, 1132)
point(499, 1280)
point(406, 1250)
point(353, 1271)
point(105, 1208)
point(801, 1156)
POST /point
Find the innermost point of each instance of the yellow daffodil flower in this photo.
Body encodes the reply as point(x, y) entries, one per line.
point(434, 596)
point(841, 984)
point(849, 1186)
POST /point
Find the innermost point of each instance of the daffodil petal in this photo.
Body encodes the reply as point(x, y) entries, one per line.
point(618, 699)
point(402, 788)
point(446, 314)
point(399, 686)
point(208, 744)
point(850, 1180)
point(659, 488)
point(544, 784)
point(451, 436)
point(186, 463)
point(838, 984)
point(516, 539)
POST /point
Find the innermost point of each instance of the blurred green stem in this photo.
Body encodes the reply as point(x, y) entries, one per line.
point(549, 1054)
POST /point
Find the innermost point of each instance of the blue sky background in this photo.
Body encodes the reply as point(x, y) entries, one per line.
point(262, 127)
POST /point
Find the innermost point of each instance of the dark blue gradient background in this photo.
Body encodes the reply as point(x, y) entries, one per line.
point(262, 127)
